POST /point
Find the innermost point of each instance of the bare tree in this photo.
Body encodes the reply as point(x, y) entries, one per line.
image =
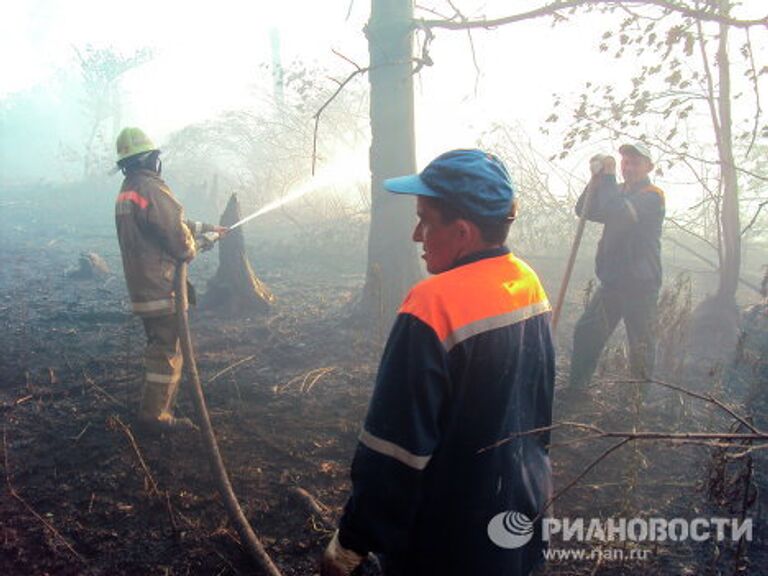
point(261, 151)
point(102, 69)
point(545, 219)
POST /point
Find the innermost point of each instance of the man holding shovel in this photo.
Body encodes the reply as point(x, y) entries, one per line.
point(628, 263)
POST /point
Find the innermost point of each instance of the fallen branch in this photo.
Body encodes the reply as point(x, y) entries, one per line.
point(587, 470)
point(316, 507)
point(16, 496)
point(231, 367)
point(728, 437)
point(169, 509)
point(705, 397)
point(308, 380)
point(92, 384)
point(154, 491)
point(309, 383)
point(24, 399)
point(83, 431)
point(709, 439)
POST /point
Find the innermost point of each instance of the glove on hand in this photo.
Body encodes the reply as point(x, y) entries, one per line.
point(602, 163)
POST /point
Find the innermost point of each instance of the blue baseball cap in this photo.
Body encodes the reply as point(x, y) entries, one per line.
point(476, 183)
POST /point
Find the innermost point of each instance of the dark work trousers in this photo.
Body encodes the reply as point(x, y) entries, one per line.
point(637, 307)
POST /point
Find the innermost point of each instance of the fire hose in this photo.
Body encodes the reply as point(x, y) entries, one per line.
point(247, 536)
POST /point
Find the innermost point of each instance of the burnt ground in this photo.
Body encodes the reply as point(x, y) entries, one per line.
point(86, 494)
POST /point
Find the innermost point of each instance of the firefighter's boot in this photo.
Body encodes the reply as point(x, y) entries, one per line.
point(156, 410)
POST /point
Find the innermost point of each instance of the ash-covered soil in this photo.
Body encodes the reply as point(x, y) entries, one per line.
point(85, 493)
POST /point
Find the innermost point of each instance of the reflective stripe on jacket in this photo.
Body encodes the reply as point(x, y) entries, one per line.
point(153, 238)
point(469, 362)
point(629, 252)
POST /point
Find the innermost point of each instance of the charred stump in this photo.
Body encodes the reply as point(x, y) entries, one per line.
point(235, 287)
point(91, 266)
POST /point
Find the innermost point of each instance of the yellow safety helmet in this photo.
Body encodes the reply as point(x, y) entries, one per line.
point(132, 141)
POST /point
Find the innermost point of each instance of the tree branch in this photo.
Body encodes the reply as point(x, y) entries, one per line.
point(716, 439)
point(755, 88)
point(714, 266)
point(706, 397)
point(15, 495)
point(358, 71)
point(674, 222)
point(754, 217)
point(554, 8)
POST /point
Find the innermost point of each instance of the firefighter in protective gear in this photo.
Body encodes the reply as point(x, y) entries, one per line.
point(154, 238)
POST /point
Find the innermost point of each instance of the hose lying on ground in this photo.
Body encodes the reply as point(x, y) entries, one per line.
point(235, 513)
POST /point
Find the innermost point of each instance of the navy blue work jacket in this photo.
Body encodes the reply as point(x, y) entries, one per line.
point(629, 252)
point(469, 363)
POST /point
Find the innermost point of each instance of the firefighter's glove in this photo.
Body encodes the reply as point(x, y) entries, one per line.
point(337, 560)
point(206, 240)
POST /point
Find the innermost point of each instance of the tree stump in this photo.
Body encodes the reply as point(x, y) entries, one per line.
point(235, 287)
point(91, 266)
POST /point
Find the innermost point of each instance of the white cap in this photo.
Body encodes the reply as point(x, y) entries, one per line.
point(636, 148)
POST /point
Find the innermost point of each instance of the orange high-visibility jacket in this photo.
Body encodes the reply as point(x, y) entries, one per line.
point(468, 370)
point(153, 239)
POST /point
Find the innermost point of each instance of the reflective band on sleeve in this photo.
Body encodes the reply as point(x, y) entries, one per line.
point(494, 322)
point(135, 197)
point(152, 306)
point(197, 227)
point(394, 451)
point(161, 378)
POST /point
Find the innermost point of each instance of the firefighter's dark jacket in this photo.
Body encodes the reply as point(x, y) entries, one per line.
point(629, 252)
point(153, 238)
point(469, 363)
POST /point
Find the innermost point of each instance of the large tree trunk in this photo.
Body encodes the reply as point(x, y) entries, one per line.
point(714, 327)
point(235, 287)
point(392, 264)
point(729, 216)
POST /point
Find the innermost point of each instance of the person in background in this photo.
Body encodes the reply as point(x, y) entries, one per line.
point(443, 461)
point(628, 264)
point(154, 238)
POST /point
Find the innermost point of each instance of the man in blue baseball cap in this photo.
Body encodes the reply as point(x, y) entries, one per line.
point(443, 459)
